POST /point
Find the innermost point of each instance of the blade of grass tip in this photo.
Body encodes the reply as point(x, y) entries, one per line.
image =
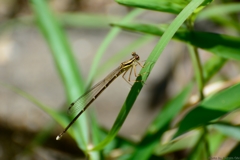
point(60, 118)
point(155, 54)
point(30, 98)
point(183, 143)
point(109, 38)
point(212, 66)
point(64, 61)
point(228, 129)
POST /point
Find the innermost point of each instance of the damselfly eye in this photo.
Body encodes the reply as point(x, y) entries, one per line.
point(134, 54)
point(137, 57)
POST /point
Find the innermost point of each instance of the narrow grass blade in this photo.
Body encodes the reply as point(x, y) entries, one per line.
point(86, 20)
point(30, 98)
point(61, 51)
point(173, 6)
point(219, 10)
point(64, 61)
point(185, 142)
point(212, 66)
point(228, 130)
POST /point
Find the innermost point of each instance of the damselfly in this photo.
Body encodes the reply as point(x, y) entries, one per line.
point(83, 102)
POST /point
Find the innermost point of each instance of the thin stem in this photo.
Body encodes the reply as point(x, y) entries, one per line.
point(196, 65)
point(197, 69)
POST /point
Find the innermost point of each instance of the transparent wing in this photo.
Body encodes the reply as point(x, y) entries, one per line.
point(88, 97)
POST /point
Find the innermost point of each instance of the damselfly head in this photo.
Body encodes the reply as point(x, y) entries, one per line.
point(134, 54)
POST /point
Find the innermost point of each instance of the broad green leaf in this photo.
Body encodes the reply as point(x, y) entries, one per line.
point(222, 45)
point(161, 123)
point(155, 54)
point(210, 109)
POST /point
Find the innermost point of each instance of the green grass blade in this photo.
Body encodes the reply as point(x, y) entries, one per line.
point(173, 6)
point(212, 66)
point(219, 10)
point(210, 109)
point(147, 145)
point(64, 61)
point(86, 20)
point(222, 45)
point(185, 142)
point(221, 14)
point(61, 51)
point(227, 22)
point(58, 117)
point(132, 96)
point(228, 130)
point(30, 98)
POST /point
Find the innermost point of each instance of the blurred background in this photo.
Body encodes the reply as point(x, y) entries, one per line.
point(26, 132)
